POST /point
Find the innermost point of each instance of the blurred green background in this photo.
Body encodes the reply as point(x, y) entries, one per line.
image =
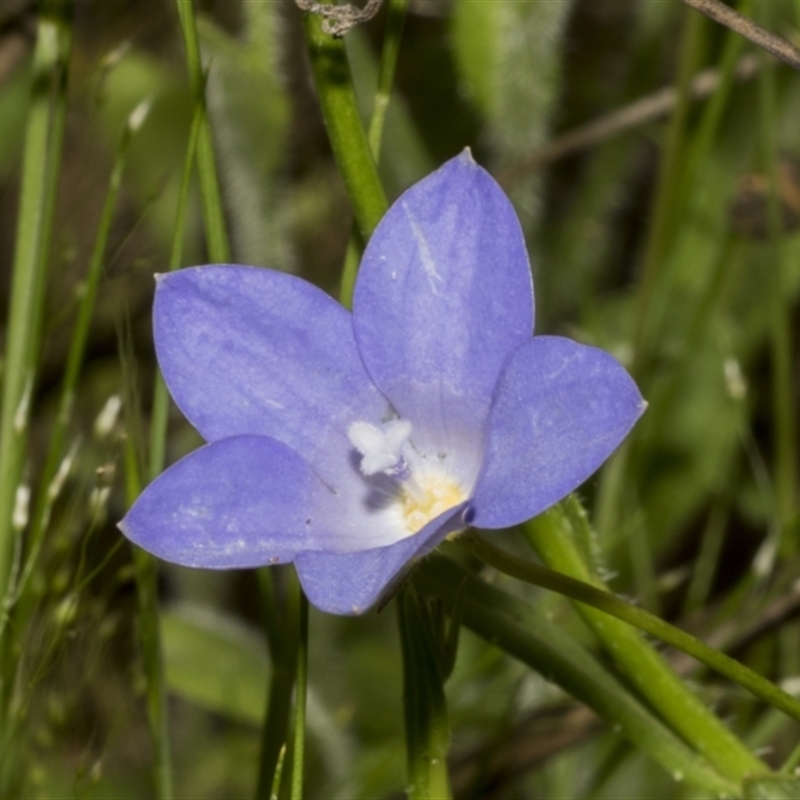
point(669, 235)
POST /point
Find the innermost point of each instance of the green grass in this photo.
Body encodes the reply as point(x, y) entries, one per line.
point(675, 244)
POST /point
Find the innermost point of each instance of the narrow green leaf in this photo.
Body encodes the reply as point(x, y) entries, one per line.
point(40, 170)
point(553, 536)
point(77, 348)
point(520, 630)
point(160, 411)
point(214, 216)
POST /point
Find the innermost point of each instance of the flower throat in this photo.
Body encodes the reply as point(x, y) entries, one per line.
point(423, 491)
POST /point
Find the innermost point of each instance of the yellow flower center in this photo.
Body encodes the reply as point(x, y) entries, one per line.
point(430, 496)
point(423, 489)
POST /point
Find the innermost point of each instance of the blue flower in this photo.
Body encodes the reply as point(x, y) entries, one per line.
point(353, 444)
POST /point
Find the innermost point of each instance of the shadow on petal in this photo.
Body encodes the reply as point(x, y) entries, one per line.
point(351, 583)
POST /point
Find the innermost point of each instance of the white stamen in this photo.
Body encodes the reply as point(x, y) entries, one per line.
point(381, 449)
point(419, 490)
point(417, 493)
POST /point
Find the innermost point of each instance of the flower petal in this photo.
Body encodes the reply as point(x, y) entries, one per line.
point(560, 410)
point(254, 351)
point(351, 583)
point(238, 502)
point(444, 295)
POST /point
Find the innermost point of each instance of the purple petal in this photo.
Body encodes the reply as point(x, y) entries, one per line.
point(560, 410)
point(238, 502)
point(254, 351)
point(351, 583)
point(444, 295)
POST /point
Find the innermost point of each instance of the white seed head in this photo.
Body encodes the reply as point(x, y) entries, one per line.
point(735, 381)
point(98, 500)
point(21, 414)
point(57, 484)
point(765, 558)
point(107, 418)
point(139, 114)
point(791, 685)
point(22, 500)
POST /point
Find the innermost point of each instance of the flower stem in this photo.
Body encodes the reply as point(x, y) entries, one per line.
point(348, 139)
point(301, 687)
point(284, 651)
point(424, 704)
point(213, 214)
point(395, 23)
point(149, 623)
point(635, 656)
point(522, 631)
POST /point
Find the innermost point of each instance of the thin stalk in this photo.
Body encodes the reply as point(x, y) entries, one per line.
point(668, 186)
point(56, 465)
point(770, 42)
point(149, 629)
point(77, 348)
point(664, 398)
point(158, 420)
point(331, 71)
point(788, 767)
point(784, 400)
point(284, 650)
point(40, 170)
point(269, 610)
point(705, 566)
point(523, 631)
point(352, 258)
point(696, 153)
point(611, 490)
point(300, 693)
point(146, 566)
point(424, 704)
point(395, 23)
point(724, 750)
point(213, 214)
point(641, 557)
point(712, 114)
